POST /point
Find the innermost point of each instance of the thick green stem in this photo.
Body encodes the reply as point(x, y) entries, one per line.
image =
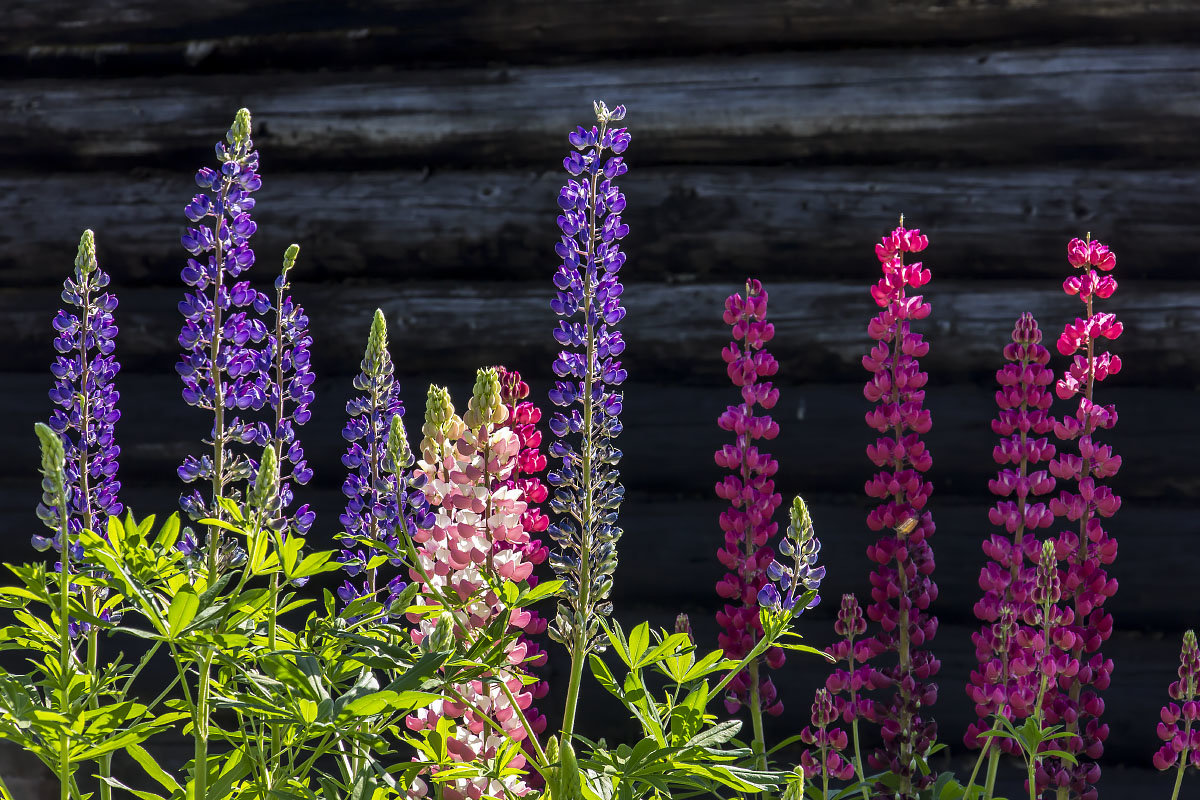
point(989, 788)
point(200, 731)
point(577, 656)
point(858, 759)
point(760, 741)
point(1179, 775)
point(64, 649)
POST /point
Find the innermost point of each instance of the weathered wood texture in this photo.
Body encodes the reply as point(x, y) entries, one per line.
point(674, 332)
point(714, 224)
point(122, 36)
point(670, 434)
point(1128, 104)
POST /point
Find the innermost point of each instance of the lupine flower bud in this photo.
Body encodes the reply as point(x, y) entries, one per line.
point(823, 756)
point(53, 461)
point(588, 299)
point(264, 495)
point(1088, 550)
point(485, 407)
point(750, 490)
point(902, 589)
point(684, 625)
point(85, 400)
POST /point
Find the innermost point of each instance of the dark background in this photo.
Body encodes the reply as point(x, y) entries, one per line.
point(413, 150)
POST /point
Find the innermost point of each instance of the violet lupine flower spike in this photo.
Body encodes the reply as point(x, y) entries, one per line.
point(901, 587)
point(374, 517)
point(1182, 745)
point(290, 394)
point(752, 497)
point(1089, 550)
point(220, 369)
point(586, 489)
point(86, 402)
point(1006, 681)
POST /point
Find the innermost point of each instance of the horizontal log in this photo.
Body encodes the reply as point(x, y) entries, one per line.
point(670, 434)
point(1128, 104)
point(126, 36)
point(673, 331)
point(709, 225)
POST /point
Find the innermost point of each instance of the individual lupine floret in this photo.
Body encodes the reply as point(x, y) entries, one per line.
point(1181, 747)
point(823, 758)
point(901, 586)
point(1088, 550)
point(86, 401)
point(476, 542)
point(290, 394)
point(1005, 681)
point(220, 368)
point(587, 493)
point(383, 499)
point(750, 491)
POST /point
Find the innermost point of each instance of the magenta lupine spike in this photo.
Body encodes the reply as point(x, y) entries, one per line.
point(86, 402)
point(1181, 747)
point(1006, 679)
point(751, 494)
point(823, 758)
point(476, 541)
point(1088, 550)
point(523, 417)
point(901, 586)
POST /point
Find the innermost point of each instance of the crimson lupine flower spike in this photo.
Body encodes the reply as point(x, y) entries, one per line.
point(1051, 640)
point(858, 676)
point(751, 494)
point(1182, 745)
point(86, 401)
point(289, 395)
point(901, 587)
point(1006, 681)
point(587, 493)
point(378, 509)
point(1088, 550)
point(220, 369)
point(523, 417)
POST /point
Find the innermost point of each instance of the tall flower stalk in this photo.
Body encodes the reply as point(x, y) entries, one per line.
point(1181, 748)
point(1006, 681)
point(86, 401)
point(586, 489)
point(221, 371)
point(382, 498)
point(477, 541)
point(1088, 550)
point(748, 523)
point(901, 586)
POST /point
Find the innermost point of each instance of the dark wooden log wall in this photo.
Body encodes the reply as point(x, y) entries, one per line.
point(412, 148)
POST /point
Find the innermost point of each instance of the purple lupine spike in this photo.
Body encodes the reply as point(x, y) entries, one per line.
point(1088, 550)
point(290, 394)
point(586, 492)
point(86, 402)
point(1006, 681)
point(221, 369)
point(379, 510)
point(901, 586)
point(1181, 748)
point(747, 524)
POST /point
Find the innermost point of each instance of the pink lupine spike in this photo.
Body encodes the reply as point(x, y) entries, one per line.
point(751, 493)
point(902, 590)
point(1088, 550)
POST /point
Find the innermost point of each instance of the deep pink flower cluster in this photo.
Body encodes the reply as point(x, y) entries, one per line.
point(901, 586)
point(1006, 681)
point(823, 758)
point(1088, 550)
point(751, 494)
point(523, 417)
point(1182, 745)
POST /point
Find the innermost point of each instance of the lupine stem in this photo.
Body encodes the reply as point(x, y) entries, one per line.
point(760, 741)
point(64, 651)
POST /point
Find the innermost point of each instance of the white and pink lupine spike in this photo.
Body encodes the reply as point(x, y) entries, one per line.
point(478, 539)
